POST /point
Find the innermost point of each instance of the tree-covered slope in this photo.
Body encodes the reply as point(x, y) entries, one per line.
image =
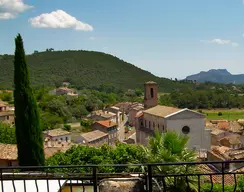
point(83, 69)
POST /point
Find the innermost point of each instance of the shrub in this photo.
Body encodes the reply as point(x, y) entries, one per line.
point(67, 127)
point(86, 123)
point(220, 113)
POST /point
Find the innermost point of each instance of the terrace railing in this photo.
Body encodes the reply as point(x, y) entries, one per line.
point(180, 176)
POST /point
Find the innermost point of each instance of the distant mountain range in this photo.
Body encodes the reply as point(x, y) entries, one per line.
point(217, 76)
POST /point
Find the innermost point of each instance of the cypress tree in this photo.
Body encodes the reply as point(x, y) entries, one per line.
point(27, 120)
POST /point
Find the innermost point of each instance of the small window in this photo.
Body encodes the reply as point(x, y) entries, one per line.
point(145, 123)
point(163, 127)
point(149, 124)
point(158, 125)
point(66, 139)
point(152, 93)
point(185, 130)
point(153, 125)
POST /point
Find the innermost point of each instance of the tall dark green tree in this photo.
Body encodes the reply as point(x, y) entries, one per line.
point(27, 120)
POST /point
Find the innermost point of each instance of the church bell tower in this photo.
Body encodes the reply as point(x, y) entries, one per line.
point(150, 94)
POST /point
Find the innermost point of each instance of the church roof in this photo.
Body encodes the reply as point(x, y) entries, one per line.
point(150, 82)
point(162, 111)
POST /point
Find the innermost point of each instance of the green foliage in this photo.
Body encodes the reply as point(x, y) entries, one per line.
point(85, 123)
point(202, 99)
point(67, 127)
point(6, 96)
point(83, 69)
point(220, 113)
point(28, 130)
point(171, 147)
point(7, 134)
point(168, 147)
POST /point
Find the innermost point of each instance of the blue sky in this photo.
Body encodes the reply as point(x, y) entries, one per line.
point(170, 38)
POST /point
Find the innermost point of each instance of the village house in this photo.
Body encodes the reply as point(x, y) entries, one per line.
point(216, 135)
point(66, 91)
point(134, 111)
point(57, 135)
point(108, 127)
point(101, 115)
point(232, 141)
point(8, 155)
point(3, 106)
point(223, 153)
point(9, 152)
point(94, 138)
point(163, 118)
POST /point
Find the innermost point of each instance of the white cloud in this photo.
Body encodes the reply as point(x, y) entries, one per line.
point(221, 42)
point(92, 38)
point(59, 19)
point(10, 9)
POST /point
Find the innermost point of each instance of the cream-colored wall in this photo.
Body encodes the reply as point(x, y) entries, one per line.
point(63, 137)
point(156, 120)
point(196, 134)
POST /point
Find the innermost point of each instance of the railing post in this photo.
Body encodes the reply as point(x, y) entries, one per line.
point(223, 177)
point(2, 180)
point(95, 179)
point(149, 178)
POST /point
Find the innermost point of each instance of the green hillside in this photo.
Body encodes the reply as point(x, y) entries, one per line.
point(84, 69)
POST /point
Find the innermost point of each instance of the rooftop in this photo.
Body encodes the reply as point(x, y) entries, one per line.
point(56, 132)
point(161, 111)
point(233, 139)
point(106, 123)
point(3, 104)
point(93, 135)
point(105, 114)
point(150, 82)
point(8, 152)
point(217, 131)
point(224, 125)
point(6, 113)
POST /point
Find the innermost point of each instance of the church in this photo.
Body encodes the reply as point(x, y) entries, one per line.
point(164, 118)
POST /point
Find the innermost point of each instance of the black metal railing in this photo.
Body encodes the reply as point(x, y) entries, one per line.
point(180, 176)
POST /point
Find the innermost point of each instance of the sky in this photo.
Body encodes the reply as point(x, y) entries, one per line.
point(169, 38)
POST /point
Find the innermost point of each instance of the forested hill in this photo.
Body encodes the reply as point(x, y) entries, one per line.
point(84, 69)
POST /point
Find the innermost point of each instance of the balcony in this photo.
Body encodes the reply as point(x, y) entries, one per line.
point(87, 178)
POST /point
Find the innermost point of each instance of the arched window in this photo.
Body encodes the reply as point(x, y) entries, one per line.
point(185, 130)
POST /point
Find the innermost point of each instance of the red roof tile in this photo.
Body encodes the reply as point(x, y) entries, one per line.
point(106, 123)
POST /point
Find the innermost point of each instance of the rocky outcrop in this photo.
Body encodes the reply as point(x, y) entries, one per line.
point(122, 185)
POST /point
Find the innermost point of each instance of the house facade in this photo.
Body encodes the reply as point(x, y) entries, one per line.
point(57, 135)
point(108, 127)
point(94, 138)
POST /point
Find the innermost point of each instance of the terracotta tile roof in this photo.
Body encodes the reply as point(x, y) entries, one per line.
point(8, 152)
point(105, 114)
point(56, 132)
point(150, 82)
point(161, 111)
point(223, 125)
point(93, 135)
point(3, 104)
point(6, 113)
point(106, 123)
point(217, 131)
point(233, 139)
